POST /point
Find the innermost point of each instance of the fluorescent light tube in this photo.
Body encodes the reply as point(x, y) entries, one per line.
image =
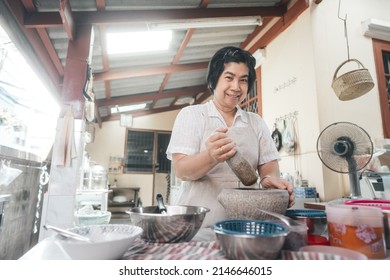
point(205, 23)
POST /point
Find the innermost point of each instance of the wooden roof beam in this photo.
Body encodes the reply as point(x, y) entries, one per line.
point(51, 19)
point(133, 73)
point(148, 97)
point(67, 18)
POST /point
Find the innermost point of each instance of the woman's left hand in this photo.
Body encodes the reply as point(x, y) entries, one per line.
point(279, 183)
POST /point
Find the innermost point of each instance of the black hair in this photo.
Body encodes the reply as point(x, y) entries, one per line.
point(226, 55)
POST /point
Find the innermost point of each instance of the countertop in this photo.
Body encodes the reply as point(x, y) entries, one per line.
point(203, 246)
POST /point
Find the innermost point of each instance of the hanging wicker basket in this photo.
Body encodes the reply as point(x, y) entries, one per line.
point(352, 84)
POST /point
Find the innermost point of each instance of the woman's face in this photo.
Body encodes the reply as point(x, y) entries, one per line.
point(232, 85)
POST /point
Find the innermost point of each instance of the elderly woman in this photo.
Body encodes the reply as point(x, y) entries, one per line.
point(205, 136)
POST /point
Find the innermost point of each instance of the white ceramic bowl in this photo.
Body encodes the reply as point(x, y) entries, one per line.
point(336, 252)
point(108, 242)
point(95, 217)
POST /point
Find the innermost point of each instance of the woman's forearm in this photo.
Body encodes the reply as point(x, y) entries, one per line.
point(192, 167)
point(269, 169)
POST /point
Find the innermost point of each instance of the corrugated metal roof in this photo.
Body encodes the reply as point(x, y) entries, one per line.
point(202, 44)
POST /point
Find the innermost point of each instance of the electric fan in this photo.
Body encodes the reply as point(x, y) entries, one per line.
point(345, 148)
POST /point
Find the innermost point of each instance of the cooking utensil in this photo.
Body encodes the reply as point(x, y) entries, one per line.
point(251, 239)
point(179, 225)
point(288, 221)
point(242, 203)
point(277, 137)
point(67, 233)
point(161, 205)
point(243, 170)
point(297, 236)
point(315, 219)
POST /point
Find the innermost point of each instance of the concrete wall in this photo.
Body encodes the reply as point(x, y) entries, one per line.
point(310, 50)
point(20, 228)
point(112, 136)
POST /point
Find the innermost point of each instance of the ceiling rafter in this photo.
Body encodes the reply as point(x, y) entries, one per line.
point(282, 23)
point(140, 72)
point(101, 6)
point(275, 19)
point(183, 46)
point(116, 117)
point(39, 40)
point(147, 97)
point(67, 18)
point(52, 19)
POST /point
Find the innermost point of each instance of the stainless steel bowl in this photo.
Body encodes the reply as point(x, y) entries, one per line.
point(179, 224)
point(251, 239)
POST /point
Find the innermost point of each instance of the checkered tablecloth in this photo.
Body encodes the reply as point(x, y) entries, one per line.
point(193, 250)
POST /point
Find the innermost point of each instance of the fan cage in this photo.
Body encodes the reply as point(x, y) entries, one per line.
point(363, 147)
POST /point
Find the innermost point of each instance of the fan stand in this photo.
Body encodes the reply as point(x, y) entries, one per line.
point(354, 180)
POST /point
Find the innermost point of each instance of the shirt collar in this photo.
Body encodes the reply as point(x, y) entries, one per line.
point(213, 112)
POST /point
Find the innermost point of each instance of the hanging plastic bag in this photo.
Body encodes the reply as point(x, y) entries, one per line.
point(288, 137)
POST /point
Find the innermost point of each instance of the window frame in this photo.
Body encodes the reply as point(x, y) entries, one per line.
point(379, 47)
point(155, 151)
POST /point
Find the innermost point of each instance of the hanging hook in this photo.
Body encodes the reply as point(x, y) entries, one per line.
point(345, 28)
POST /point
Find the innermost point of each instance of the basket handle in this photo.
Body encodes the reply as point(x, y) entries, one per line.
point(345, 62)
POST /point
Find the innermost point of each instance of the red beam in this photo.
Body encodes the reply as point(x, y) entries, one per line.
point(67, 18)
point(133, 73)
point(148, 97)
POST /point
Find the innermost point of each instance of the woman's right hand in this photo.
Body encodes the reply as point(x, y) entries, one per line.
point(219, 146)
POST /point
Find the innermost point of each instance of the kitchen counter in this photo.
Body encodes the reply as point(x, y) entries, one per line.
point(202, 247)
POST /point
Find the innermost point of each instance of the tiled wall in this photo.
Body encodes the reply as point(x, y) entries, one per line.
point(20, 212)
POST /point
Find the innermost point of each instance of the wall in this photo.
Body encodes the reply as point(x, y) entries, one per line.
point(20, 228)
point(311, 49)
point(110, 141)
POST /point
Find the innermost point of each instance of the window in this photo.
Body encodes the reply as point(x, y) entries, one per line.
point(145, 152)
point(252, 101)
point(28, 110)
point(382, 63)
